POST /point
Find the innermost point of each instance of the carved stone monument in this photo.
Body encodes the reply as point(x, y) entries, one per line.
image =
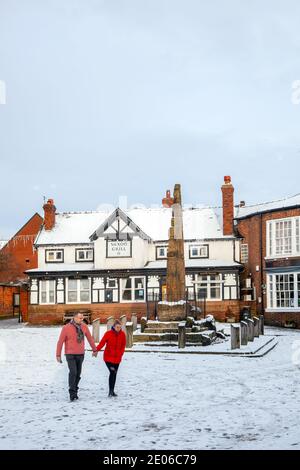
point(174, 307)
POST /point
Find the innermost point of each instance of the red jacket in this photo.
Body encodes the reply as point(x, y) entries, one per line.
point(115, 346)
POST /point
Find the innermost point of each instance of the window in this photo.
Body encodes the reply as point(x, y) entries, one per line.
point(161, 252)
point(86, 254)
point(244, 253)
point(198, 251)
point(284, 291)
point(54, 256)
point(47, 292)
point(283, 237)
point(208, 286)
point(105, 290)
point(78, 290)
point(133, 289)
point(111, 283)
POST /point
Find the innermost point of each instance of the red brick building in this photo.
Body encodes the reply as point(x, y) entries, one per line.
point(18, 255)
point(270, 251)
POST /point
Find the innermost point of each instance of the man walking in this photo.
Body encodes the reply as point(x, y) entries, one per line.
point(72, 336)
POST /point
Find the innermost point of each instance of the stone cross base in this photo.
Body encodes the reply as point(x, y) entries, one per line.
point(169, 312)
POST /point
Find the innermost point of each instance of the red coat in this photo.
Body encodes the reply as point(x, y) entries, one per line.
point(68, 337)
point(115, 346)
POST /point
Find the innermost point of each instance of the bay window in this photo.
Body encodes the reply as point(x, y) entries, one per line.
point(283, 291)
point(283, 237)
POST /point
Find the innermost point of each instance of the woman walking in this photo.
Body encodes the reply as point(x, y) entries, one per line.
point(115, 341)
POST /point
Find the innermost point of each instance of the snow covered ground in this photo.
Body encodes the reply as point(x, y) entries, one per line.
point(166, 401)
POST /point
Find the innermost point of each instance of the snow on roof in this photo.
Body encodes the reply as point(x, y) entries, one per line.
point(77, 227)
point(246, 211)
point(195, 263)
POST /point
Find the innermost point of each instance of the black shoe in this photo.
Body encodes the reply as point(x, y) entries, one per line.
point(72, 398)
point(113, 394)
point(76, 397)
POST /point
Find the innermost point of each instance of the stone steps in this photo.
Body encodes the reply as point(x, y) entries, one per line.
point(164, 330)
point(162, 325)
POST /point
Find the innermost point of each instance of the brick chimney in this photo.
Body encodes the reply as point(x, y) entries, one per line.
point(228, 206)
point(168, 201)
point(49, 214)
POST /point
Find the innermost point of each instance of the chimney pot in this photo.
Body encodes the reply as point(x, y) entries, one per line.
point(168, 201)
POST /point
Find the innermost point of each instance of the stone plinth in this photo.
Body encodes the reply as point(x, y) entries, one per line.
point(172, 311)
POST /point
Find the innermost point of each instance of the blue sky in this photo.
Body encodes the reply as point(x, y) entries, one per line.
point(106, 98)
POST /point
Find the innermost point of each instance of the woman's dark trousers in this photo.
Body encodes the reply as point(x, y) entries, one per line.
point(113, 369)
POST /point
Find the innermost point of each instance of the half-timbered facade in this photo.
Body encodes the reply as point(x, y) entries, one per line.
point(115, 263)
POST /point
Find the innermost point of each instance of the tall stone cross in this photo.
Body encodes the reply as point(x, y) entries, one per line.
point(175, 282)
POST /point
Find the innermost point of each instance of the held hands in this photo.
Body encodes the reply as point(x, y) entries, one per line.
point(95, 353)
point(58, 358)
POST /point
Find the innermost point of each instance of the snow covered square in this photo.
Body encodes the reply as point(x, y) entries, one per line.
point(165, 401)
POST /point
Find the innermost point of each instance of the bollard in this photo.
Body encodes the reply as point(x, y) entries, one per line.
point(256, 327)
point(261, 325)
point(244, 333)
point(110, 322)
point(96, 330)
point(123, 320)
point(235, 336)
point(250, 329)
point(143, 324)
point(129, 334)
point(134, 321)
point(181, 335)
